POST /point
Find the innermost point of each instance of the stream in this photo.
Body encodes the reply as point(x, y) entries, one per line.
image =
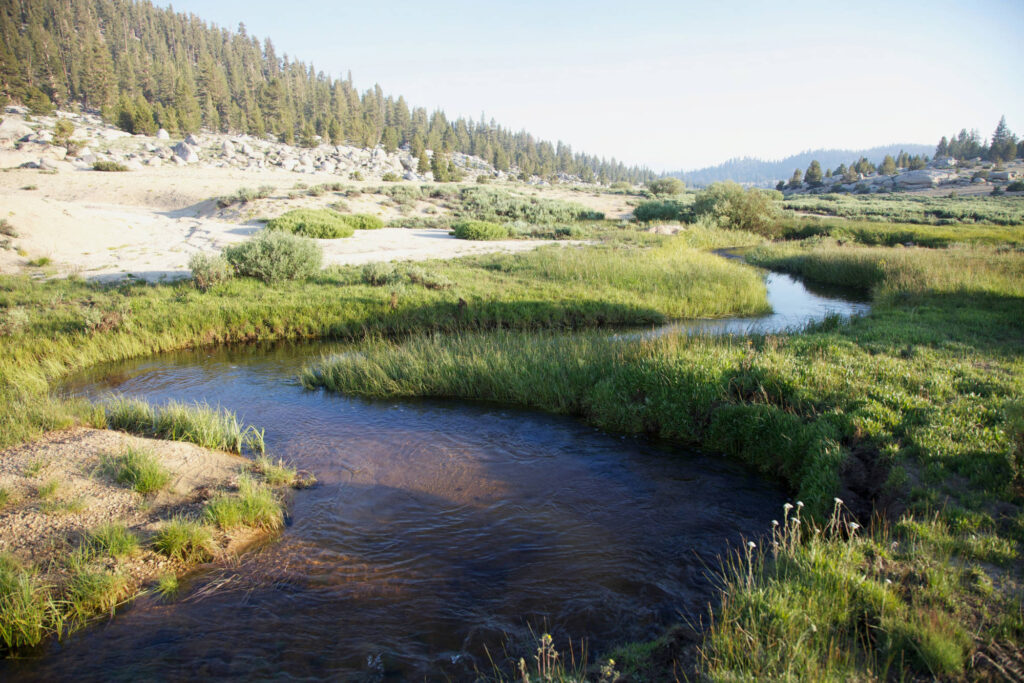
point(440, 532)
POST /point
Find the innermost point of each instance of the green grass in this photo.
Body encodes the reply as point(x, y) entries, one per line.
point(5, 497)
point(48, 490)
point(167, 586)
point(922, 392)
point(40, 262)
point(904, 208)
point(891, 234)
point(27, 611)
point(275, 472)
point(70, 506)
point(185, 540)
point(137, 469)
point(254, 506)
point(92, 591)
point(200, 424)
point(113, 539)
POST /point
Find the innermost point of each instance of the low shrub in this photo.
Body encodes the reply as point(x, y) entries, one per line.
point(364, 221)
point(317, 223)
point(480, 230)
point(209, 270)
point(380, 274)
point(7, 229)
point(109, 167)
point(1015, 186)
point(390, 177)
point(661, 210)
point(273, 256)
point(243, 195)
point(419, 276)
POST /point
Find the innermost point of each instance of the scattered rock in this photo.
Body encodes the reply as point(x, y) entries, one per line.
point(186, 152)
point(13, 130)
point(163, 135)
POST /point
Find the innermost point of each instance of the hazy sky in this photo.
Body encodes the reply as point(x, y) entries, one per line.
point(672, 84)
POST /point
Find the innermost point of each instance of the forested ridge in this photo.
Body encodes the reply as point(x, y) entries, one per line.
point(147, 67)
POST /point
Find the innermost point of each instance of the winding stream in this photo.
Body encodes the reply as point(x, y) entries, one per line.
point(438, 529)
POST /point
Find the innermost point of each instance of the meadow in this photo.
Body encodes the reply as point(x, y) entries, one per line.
point(910, 416)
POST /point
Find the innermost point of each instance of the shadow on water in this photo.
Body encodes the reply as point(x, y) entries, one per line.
point(437, 528)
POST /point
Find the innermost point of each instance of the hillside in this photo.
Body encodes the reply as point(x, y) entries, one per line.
point(148, 68)
point(763, 173)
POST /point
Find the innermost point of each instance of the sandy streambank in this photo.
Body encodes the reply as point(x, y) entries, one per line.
point(149, 223)
point(57, 494)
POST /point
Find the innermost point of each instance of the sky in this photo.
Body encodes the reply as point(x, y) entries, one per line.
point(671, 85)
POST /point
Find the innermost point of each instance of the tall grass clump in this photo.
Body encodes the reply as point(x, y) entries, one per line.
point(254, 506)
point(27, 610)
point(184, 539)
point(274, 256)
point(197, 423)
point(316, 223)
point(275, 472)
point(832, 601)
point(479, 230)
point(380, 274)
point(91, 591)
point(137, 469)
point(209, 270)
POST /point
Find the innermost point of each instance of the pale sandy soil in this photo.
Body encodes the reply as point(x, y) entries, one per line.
point(42, 532)
point(148, 223)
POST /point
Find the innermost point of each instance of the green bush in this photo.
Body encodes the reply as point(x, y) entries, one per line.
point(390, 177)
point(1015, 186)
point(109, 166)
point(666, 186)
point(661, 210)
point(364, 221)
point(483, 179)
point(480, 230)
point(318, 223)
point(274, 256)
point(734, 208)
point(208, 270)
point(490, 204)
point(243, 195)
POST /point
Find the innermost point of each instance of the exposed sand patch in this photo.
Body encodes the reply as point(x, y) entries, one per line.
point(36, 533)
point(148, 223)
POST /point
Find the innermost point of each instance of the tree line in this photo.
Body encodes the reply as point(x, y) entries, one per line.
point(146, 67)
point(1003, 147)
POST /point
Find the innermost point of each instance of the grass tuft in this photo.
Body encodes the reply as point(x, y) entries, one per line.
point(254, 505)
point(114, 539)
point(136, 468)
point(184, 539)
point(275, 472)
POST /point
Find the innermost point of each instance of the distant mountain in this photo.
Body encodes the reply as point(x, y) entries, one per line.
point(750, 171)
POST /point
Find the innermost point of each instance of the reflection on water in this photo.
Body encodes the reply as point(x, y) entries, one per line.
point(794, 303)
point(437, 529)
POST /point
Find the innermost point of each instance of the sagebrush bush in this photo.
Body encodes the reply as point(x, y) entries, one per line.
point(209, 270)
point(318, 223)
point(364, 221)
point(274, 256)
point(109, 166)
point(380, 274)
point(480, 230)
point(661, 210)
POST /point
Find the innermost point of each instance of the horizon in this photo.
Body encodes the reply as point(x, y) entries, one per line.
point(816, 76)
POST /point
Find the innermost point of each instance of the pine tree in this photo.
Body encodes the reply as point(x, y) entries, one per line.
point(797, 179)
point(813, 175)
point(889, 165)
point(1004, 143)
